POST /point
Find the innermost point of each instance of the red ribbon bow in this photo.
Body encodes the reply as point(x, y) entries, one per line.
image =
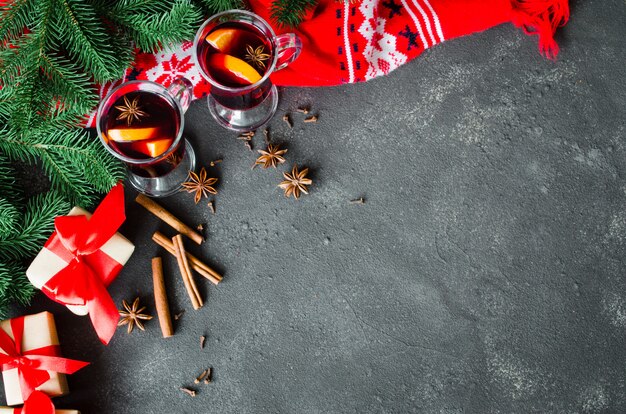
point(80, 282)
point(32, 367)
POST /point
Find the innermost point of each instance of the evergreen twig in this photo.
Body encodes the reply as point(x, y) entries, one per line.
point(159, 25)
point(290, 12)
point(14, 286)
point(35, 227)
point(217, 6)
point(69, 157)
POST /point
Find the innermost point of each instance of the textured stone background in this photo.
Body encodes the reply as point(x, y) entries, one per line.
point(485, 273)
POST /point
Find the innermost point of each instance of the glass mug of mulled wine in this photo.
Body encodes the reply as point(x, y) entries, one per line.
point(236, 52)
point(141, 123)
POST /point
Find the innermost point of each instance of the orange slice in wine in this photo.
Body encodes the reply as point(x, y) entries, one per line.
point(221, 39)
point(229, 40)
point(229, 69)
point(153, 148)
point(133, 134)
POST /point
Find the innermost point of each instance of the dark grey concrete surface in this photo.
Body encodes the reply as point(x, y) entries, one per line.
point(484, 274)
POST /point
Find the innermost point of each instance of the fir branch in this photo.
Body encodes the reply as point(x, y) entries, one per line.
point(70, 158)
point(19, 74)
point(132, 7)
point(43, 85)
point(9, 218)
point(15, 16)
point(36, 226)
point(12, 60)
point(14, 286)
point(160, 26)
point(211, 7)
point(290, 12)
point(68, 84)
point(8, 188)
point(79, 30)
point(7, 270)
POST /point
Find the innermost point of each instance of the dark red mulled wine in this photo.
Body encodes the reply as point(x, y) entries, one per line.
point(143, 125)
point(235, 55)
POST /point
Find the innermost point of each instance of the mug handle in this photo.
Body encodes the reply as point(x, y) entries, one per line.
point(288, 48)
point(182, 90)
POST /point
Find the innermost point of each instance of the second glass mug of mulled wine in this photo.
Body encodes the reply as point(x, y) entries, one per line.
point(237, 51)
point(141, 123)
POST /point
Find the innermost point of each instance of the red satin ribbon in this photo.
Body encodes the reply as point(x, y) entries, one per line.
point(38, 403)
point(32, 367)
point(80, 282)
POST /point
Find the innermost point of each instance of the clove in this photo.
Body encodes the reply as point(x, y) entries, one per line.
point(287, 120)
point(200, 377)
point(209, 376)
point(188, 391)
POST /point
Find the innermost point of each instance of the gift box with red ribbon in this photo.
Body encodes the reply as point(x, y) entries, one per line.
point(81, 258)
point(32, 367)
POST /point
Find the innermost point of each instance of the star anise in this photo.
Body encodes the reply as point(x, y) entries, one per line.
point(173, 159)
point(256, 56)
point(132, 316)
point(271, 156)
point(295, 182)
point(130, 110)
point(199, 184)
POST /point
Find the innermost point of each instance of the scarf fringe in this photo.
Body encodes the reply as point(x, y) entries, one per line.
point(542, 18)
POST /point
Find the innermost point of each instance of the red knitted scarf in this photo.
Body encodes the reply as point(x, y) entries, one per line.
point(358, 41)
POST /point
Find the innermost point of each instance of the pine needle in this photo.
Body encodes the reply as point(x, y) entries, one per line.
point(70, 157)
point(291, 12)
point(16, 16)
point(8, 187)
point(9, 218)
point(161, 27)
point(217, 6)
point(35, 227)
point(14, 286)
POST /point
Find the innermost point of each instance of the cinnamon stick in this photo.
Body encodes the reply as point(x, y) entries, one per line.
point(156, 209)
point(287, 120)
point(195, 263)
point(185, 271)
point(160, 298)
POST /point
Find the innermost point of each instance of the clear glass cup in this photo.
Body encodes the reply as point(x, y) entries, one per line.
point(153, 175)
point(245, 107)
